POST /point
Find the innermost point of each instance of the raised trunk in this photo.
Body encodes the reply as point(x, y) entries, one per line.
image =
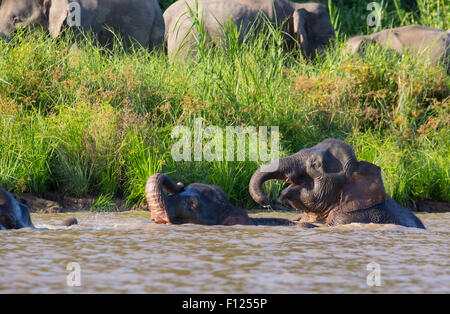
point(157, 200)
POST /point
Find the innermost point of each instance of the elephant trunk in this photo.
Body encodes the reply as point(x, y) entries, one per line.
point(300, 21)
point(279, 169)
point(157, 200)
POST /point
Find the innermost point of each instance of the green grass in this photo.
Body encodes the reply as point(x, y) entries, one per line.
point(103, 203)
point(85, 121)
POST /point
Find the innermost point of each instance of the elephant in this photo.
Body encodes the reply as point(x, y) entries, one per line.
point(332, 187)
point(307, 23)
point(70, 221)
point(13, 215)
point(137, 21)
point(415, 38)
point(197, 203)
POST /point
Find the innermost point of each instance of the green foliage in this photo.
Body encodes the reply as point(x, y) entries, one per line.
point(104, 203)
point(88, 121)
point(141, 162)
point(26, 149)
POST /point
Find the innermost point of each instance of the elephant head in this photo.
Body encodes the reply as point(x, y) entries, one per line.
point(325, 177)
point(16, 13)
point(13, 215)
point(50, 14)
point(158, 202)
point(312, 27)
point(198, 203)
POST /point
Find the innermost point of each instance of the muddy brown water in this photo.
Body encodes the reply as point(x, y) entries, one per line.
point(125, 253)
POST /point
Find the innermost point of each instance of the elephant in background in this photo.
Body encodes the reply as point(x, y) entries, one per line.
point(197, 204)
point(415, 38)
point(307, 23)
point(138, 21)
point(13, 215)
point(332, 187)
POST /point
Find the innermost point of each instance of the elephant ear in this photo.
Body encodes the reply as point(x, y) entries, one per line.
point(301, 20)
point(57, 12)
point(363, 189)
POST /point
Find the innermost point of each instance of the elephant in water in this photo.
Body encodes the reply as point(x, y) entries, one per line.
point(139, 21)
point(13, 215)
point(197, 203)
point(415, 38)
point(332, 187)
point(309, 23)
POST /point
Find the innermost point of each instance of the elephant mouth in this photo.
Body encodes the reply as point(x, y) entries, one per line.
point(165, 218)
point(283, 199)
point(291, 195)
point(160, 217)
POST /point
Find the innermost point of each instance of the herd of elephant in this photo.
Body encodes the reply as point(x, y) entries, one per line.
point(327, 182)
point(142, 22)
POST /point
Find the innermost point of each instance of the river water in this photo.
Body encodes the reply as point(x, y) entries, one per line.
point(125, 253)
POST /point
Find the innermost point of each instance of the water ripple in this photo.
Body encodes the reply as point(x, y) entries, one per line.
point(126, 253)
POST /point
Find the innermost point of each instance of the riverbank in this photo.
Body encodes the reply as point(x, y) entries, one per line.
point(85, 122)
point(80, 121)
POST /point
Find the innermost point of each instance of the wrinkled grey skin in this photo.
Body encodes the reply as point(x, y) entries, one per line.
point(415, 38)
point(332, 187)
point(139, 21)
point(197, 204)
point(13, 215)
point(307, 23)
